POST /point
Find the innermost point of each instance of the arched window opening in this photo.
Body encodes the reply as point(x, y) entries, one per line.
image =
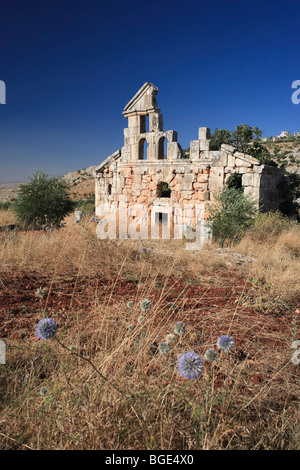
point(162, 148)
point(142, 150)
point(163, 190)
point(109, 188)
point(144, 124)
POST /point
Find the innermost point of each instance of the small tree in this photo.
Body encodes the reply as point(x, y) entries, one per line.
point(43, 201)
point(231, 215)
point(219, 137)
point(243, 135)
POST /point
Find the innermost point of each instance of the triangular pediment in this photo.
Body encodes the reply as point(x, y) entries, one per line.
point(239, 155)
point(108, 161)
point(246, 158)
point(143, 100)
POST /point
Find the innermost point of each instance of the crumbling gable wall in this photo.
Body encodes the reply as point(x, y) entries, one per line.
point(259, 181)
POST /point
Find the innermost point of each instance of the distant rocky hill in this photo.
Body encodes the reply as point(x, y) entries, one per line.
point(286, 152)
point(8, 191)
point(81, 182)
point(75, 177)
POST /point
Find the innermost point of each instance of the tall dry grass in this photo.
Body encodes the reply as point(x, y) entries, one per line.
point(75, 249)
point(274, 242)
point(53, 399)
point(7, 217)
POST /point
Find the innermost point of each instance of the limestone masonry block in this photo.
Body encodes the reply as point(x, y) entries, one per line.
point(228, 148)
point(243, 169)
point(239, 155)
point(203, 133)
point(173, 151)
point(248, 179)
point(194, 149)
point(241, 162)
point(172, 136)
point(188, 178)
point(137, 179)
point(204, 144)
point(202, 178)
point(231, 161)
point(127, 172)
point(201, 186)
point(152, 186)
point(248, 190)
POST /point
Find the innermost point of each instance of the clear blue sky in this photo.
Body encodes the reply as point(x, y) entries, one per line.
point(71, 66)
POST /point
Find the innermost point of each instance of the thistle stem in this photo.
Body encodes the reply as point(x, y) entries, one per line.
point(91, 364)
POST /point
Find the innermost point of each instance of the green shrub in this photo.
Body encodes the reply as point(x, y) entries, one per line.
point(44, 200)
point(231, 215)
point(270, 225)
point(86, 205)
point(235, 181)
point(5, 205)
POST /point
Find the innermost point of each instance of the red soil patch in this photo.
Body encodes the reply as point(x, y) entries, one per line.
point(215, 303)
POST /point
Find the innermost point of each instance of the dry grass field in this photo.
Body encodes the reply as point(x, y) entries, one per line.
point(102, 381)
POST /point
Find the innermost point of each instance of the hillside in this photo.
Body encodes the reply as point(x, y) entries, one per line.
point(286, 152)
point(81, 181)
point(8, 191)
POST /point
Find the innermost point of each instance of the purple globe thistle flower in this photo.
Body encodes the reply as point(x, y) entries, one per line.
point(179, 328)
point(145, 305)
point(46, 328)
point(225, 343)
point(164, 348)
point(190, 365)
point(210, 355)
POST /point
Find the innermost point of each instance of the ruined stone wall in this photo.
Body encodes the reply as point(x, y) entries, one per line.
point(137, 173)
point(260, 182)
point(142, 183)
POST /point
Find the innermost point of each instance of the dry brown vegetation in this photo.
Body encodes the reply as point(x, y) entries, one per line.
point(7, 217)
point(52, 399)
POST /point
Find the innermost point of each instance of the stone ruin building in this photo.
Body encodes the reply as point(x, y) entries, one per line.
point(151, 170)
